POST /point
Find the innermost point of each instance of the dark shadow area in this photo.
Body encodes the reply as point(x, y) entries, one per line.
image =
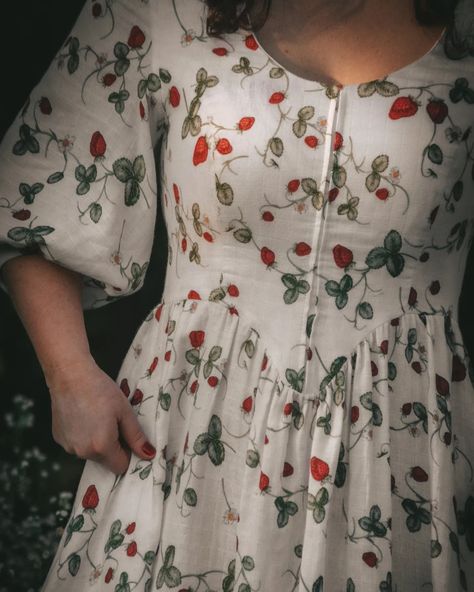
point(37, 477)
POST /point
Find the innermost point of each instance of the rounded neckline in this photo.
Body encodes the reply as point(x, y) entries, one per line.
point(393, 74)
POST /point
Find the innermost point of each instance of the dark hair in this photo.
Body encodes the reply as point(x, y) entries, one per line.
point(226, 16)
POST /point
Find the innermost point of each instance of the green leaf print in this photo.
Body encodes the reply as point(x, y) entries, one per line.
point(388, 255)
point(74, 563)
point(168, 574)
point(416, 515)
point(132, 175)
point(285, 510)
point(26, 143)
point(318, 585)
point(372, 523)
point(115, 536)
point(210, 442)
point(29, 192)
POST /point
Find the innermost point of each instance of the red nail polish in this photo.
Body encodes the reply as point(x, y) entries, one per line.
point(149, 449)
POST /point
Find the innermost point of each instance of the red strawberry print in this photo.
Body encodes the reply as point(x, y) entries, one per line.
point(98, 145)
point(212, 381)
point(276, 97)
point(268, 216)
point(130, 528)
point(447, 438)
point(342, 256)
point(132, 549)
point(374, 368)
point(194, 386)
point(232, 290)
point(176, 193)
point(91, 498)
point(137, 397)
point(416, 367)
point(109, 575)
point(220, 51)
point(136, 37)
point(442, 386)
point(264, 481)
point(142, 110)
point(264, 362)
point(21, 214)
point(287, 469)
point(233, 310)
point(288, 409)
point(412, 297)
point(293, 185)
point(302, 249)
point(193, 295)
point(245, 123)
point(168, 355)
point(247, 404)
point(45, 106)
point(382, 193)
point(458, 369)
point(108, 79)
point(435, 287)
point(152, 366)
point(175, 97)
point(251, 42)
point(267, 256)
point(223, 146)
point(437, 110)
point(354, 413)
point(338, 141)
point(197, 338)
point(406, 409)
point(158, 310)
point(124, 386)
point(370, 559)
point(384, 346)
point(184, 244)
point(333, 193)
point(201, 151)
point(319, 468)
point(403, 107)
point(418, 474)
point(311, 141)
point(309, 353)
point(207, 236)
point(96, 10)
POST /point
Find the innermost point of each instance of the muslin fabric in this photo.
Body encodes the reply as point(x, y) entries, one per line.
point(303, 377)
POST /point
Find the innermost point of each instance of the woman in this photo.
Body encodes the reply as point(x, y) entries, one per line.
point(299, 407)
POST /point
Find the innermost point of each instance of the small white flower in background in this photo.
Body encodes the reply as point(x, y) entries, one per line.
point(95, 574)
point(116, 258)
point(395, 175)
point(453, 134)
point(101, 59)
point(187, 37)
point(65, 144)
point(321, 123)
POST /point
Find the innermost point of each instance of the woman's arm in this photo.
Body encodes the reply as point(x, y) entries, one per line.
point(88, 407)
point(47, 298)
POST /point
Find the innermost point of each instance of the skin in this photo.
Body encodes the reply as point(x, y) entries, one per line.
point(345, 41)
point(91, 418)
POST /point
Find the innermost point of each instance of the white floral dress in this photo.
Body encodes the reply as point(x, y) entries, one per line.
point(304, 377)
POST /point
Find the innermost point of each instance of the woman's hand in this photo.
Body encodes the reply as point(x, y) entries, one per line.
point(89, 415)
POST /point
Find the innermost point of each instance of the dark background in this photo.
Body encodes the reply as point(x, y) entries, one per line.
point(37, 478)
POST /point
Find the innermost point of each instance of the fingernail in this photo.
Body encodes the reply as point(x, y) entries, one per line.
point(149, 449)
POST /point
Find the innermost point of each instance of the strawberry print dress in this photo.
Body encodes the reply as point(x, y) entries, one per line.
point(304, 378)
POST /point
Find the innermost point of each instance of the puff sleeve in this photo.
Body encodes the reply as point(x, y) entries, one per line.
point(77, 165)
